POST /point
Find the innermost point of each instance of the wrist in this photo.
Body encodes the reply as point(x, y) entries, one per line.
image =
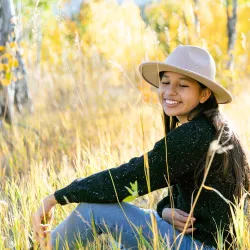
point(51, 200)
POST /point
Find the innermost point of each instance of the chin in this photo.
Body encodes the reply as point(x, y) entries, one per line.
point(170, 114)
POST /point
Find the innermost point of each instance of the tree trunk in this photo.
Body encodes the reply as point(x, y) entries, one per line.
point(231, 31)
point(17, 91)
point(196, 19)
point(6, 92)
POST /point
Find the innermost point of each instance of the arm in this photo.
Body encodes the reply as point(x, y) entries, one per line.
point(166, 201)
point(185, 146)
point(41, 222)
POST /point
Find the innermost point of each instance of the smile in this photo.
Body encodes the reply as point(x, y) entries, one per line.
point(171, 102)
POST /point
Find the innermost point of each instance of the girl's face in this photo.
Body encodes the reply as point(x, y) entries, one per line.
point(180, 94)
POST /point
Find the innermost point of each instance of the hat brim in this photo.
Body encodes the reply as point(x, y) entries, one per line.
point(149, 71)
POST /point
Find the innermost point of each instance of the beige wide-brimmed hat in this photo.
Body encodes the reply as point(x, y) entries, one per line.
point(191, 61)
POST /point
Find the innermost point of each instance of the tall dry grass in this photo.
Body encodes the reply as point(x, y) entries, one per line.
point(85, 122)
point(67, 137)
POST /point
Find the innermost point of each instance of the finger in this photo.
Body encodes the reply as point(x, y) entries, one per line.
point(177, 223)
point(192, 219)
point(44, 240)
point(36, 237)
point(182, 212)
point(47, 233)
point(49, 243)
point(45, 227)
point(39, 237)
point(183, 218)
point(180, 218)
point(40, 232)
point(37, 232)
point(189, 230)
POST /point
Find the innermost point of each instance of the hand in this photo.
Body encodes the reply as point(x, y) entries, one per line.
point(178, 218)
point(41, 222)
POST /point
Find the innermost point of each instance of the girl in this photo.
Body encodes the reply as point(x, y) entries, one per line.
point(189, 97)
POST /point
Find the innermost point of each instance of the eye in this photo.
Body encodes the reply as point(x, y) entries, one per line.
point(165, 82)
point(183, 86)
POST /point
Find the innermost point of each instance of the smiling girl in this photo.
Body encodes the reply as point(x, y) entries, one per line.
point(189, 97)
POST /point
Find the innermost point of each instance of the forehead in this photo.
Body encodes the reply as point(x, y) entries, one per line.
point(169, 74)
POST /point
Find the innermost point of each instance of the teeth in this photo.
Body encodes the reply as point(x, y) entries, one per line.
point(171, 102)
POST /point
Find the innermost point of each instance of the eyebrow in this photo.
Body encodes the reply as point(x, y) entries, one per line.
point(182, 78)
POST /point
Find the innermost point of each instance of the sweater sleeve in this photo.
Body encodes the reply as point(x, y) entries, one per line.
point(185, 146)
point(166, 201)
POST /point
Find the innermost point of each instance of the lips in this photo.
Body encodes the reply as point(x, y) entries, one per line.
point(171, 102)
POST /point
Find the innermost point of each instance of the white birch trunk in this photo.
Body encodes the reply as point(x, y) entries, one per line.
point(17, 92)
point(7, 12)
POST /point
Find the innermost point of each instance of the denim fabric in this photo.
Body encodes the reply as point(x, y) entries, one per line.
point(122, 220)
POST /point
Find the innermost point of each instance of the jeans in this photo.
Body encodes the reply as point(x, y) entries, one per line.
point(123, 221)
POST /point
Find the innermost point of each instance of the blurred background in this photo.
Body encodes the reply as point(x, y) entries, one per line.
point(71, 100)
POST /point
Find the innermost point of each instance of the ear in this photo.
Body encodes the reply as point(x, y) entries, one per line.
point(206, 93)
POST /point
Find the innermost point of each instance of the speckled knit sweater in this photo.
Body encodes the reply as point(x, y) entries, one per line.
point(187, 147)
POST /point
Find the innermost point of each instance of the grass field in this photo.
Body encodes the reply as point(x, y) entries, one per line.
point(70, 135)
point(91, 111)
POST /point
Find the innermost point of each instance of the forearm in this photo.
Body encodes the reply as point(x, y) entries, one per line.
point(51, 200)
point(97, 188)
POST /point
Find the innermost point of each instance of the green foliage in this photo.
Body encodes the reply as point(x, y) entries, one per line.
point(43, 4)
point(133, 191)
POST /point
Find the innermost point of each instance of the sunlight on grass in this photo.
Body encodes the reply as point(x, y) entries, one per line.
point(71, 146)
point(91, 113)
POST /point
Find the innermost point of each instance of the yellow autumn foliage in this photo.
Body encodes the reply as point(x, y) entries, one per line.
point(8, 63)
point(5, 82)
point(2, 48)
point(178, 17)
point(89, 114)
point(104, 30)
point(13, 45)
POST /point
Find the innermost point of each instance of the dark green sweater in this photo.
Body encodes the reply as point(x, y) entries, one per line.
point(187, 147)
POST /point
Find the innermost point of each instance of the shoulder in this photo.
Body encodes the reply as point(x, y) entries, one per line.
point(195, 135)
point(200, 127)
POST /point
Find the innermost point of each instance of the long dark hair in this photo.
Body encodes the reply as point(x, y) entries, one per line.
point(234, 159)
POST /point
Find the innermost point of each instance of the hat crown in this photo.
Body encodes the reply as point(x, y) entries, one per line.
point(193, 59)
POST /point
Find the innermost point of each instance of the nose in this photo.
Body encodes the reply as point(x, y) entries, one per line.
point(170, 90)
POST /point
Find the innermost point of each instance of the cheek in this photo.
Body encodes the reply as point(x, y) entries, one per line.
point(160, 92)
point(161, 89)
point(191, 96)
